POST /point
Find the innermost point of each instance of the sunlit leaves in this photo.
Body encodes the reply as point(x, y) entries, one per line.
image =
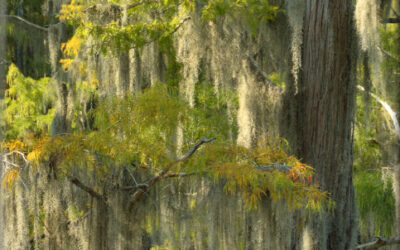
point(252, 12)
point(28, 104)
point(140, 132)
point(9, 178)
point(237, 166)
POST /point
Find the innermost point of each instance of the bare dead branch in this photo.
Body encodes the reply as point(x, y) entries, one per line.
point(379, 242)
point(85, 188)
point(391, 20)
point(161, 175)
point(26, 22)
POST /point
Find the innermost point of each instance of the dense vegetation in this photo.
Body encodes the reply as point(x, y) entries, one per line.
point(68, 120)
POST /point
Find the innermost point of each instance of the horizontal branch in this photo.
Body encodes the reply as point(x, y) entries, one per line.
point(379, 242)
point(274, 166)
point(172, 175)
point(391, 20)
point(139, 185)
point(161, 175)
point(26, 22)
point(85, 188)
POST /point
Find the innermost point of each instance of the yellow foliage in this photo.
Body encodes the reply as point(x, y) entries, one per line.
point(73, 46)
point(71, 12)
point(10, 178)
point(14, 145)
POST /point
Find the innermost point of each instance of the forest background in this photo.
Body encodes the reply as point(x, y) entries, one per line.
point(213, 124)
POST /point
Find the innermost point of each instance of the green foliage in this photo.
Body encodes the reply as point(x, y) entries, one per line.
point(367, 150)
point(374, 196)
point(140, 131)
point(28, 104)
point(252, 12)
point(150, 21)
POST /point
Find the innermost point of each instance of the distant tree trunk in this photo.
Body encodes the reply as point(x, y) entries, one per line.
point(396, 181)
point(56, 35)
point(325, 108)
point(3, 35)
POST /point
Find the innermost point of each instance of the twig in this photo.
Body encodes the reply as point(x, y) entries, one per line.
point(136, 196)
point(379, 242)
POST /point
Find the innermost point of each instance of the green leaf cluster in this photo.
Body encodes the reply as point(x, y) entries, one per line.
point(152, 21)
point(28, 105)
point(140, 132)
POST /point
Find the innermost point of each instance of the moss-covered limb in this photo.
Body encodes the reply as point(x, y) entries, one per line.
point(391, 20)
point(161, 175)
point(379, 242)
point(23, 20)
point(85, 188)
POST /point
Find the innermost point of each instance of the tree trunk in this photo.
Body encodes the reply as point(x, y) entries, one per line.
point(396, 181)
point(325, 114)
point(3, 35)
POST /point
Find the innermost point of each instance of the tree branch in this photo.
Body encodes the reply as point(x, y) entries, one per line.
point(193, 149)
point(172, 175)
point(26, 22)
point(379, 242)
point(260, 74)
point(391, 20)
point(274, 166)
point(386, 53)
point(85, 188)
point(5, 159)
point(386, 106)
point(161, 175)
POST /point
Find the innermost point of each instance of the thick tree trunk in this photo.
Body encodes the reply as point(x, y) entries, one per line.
point(325, 113)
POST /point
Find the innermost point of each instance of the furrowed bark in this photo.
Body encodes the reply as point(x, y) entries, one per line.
point(325, 114)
